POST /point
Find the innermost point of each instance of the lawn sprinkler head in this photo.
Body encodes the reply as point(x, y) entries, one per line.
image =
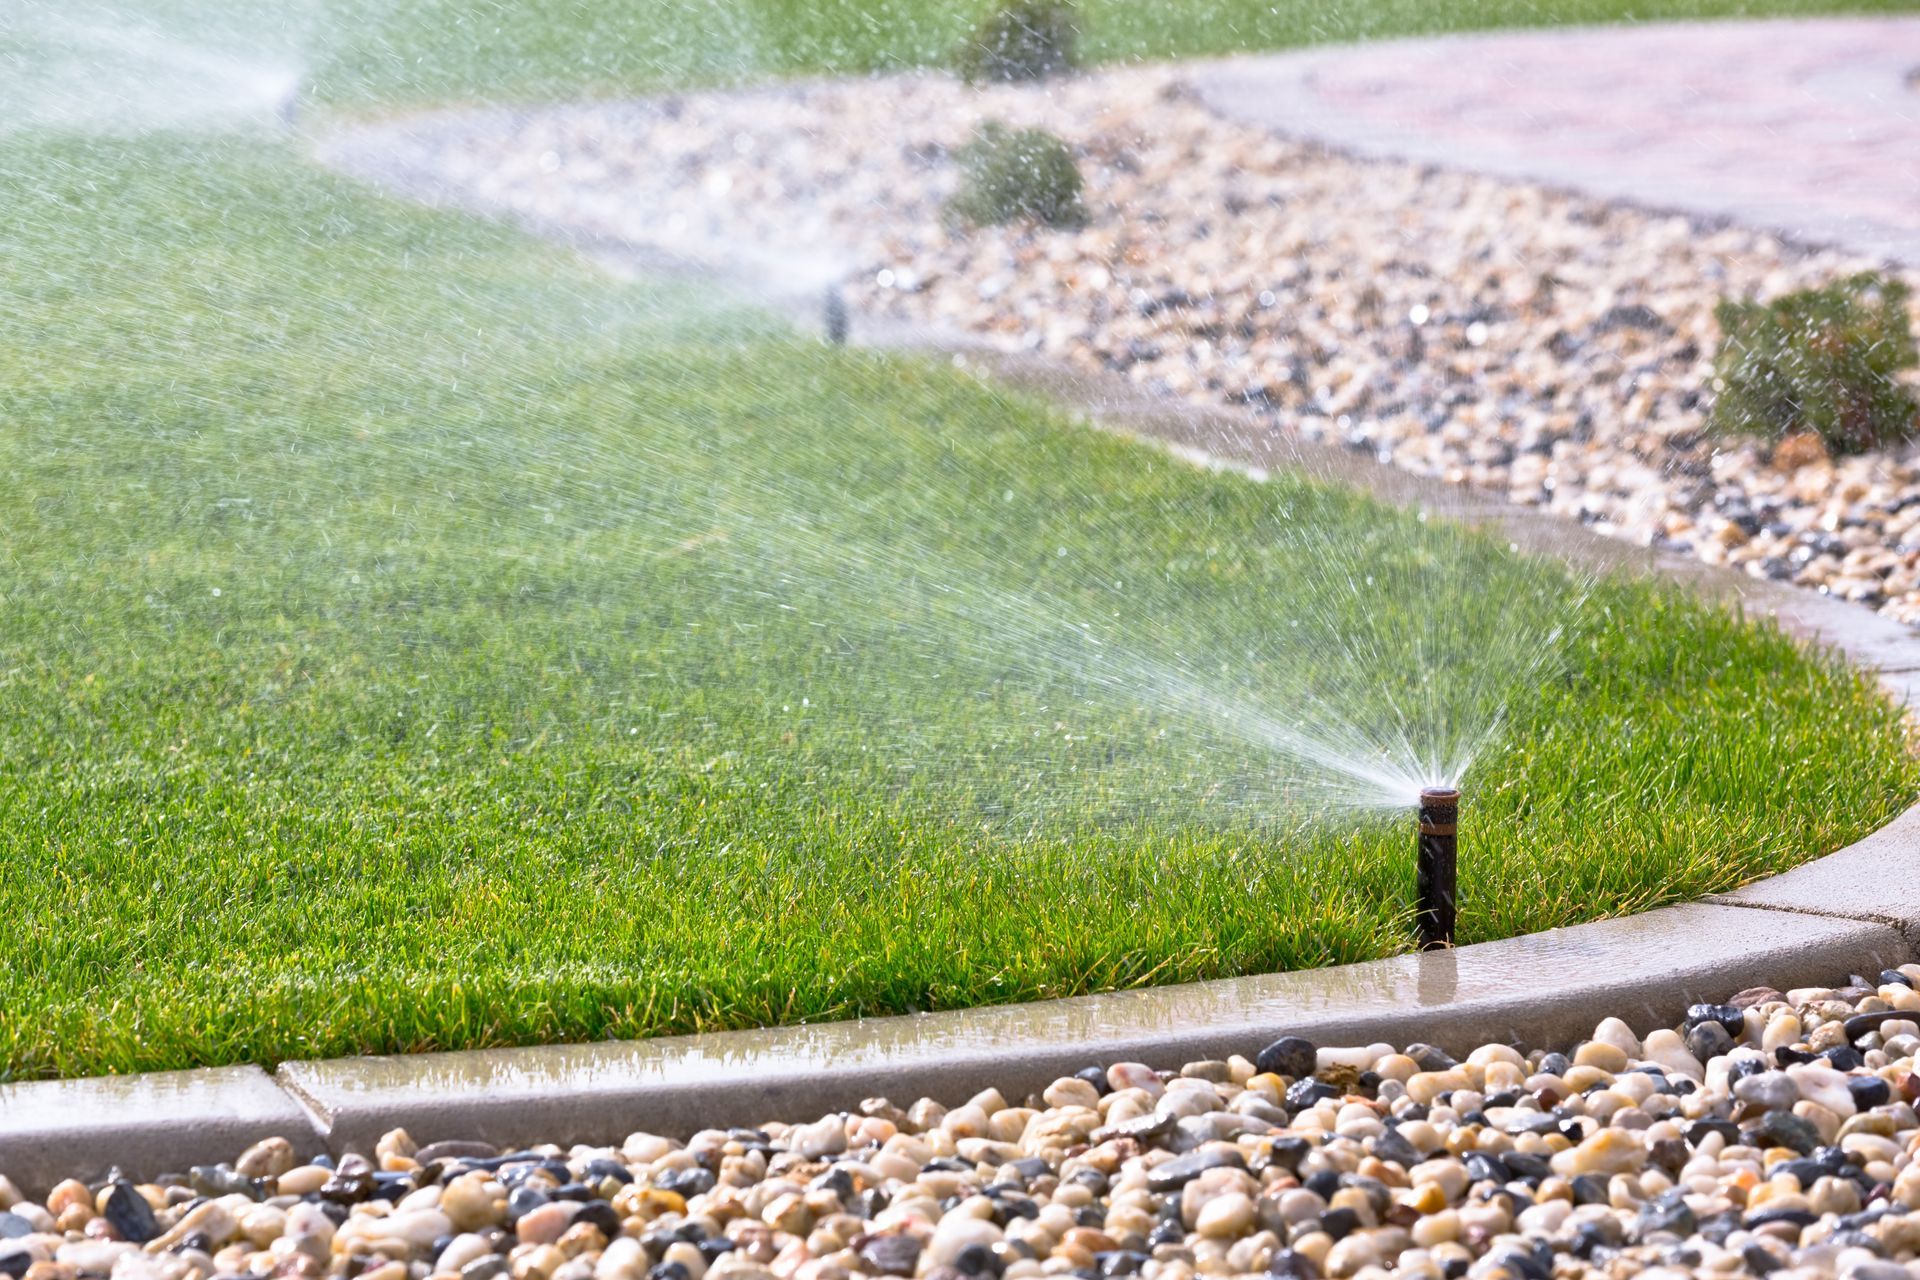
point(836, 318)
point(1435, 867)
point(287, 107)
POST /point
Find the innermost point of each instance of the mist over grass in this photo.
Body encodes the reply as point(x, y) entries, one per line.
point(360, 54)
point(374, 50)
point(410, 639)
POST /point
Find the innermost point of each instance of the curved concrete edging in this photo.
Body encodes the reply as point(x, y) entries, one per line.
point(1809, 926)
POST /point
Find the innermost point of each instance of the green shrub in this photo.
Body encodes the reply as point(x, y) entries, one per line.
point(1022, 40)
point(1820, 360)
point(1008, 174)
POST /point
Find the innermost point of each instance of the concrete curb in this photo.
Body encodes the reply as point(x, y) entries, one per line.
point(1810, 926)
point(1542, 987)
point(146, 1124)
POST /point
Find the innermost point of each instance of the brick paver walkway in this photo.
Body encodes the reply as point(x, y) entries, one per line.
point(1808, 127)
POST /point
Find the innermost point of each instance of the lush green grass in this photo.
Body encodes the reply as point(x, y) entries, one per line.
point(408, 639)
point(543, 48)
point(362, 52)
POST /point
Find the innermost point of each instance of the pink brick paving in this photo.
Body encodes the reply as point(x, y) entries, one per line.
point(1805, 127)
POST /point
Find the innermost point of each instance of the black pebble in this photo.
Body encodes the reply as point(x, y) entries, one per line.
point(690, 1182)
point(522, 1202)
point(1732, 1019)
point(1483, 1166)
point(1589, 1189)
point(1092, 1179)
point(1893, 977)
point(392, 1186)
point(599, 1213)
point(1665, 1213)
point(1095, 1076)
point(1430, 1057)
point(1303, 1093)
point(1784, 1129)
point(1861, 1023)
point(1394, 1149)
point(836, 1180)
point(602, 1169)
point(1708, 1040)
point(1339, 1223)
point(1845, 1057)
point(1287, 1153)
point(1526, 1265)
point(978, 1260)
point(1869, 1092)
point(130, 1214)
point(1289, 1056)
point(1531, 1169)
point(1289, 1265)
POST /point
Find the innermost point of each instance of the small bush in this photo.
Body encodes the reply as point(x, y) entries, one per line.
point(1022, 40)
point(1820, 360)
point(1008, 174)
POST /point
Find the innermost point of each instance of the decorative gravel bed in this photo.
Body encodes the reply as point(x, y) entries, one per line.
point(1775, 1131)
point(1547, 346)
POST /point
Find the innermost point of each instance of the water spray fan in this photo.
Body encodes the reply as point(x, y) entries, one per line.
point(1436, 867)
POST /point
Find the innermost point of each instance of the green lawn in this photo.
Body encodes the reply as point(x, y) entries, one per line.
point(362, 52)
point(410, 639)
point(380, 50)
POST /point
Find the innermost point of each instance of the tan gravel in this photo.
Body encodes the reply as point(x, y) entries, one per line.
point(1534, 343)
point(1773, 1133)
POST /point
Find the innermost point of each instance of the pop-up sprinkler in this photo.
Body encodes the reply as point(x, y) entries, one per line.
point(1435, 870)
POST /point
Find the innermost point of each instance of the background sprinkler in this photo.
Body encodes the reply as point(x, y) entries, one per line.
point(836, 317)
point(1435, 887)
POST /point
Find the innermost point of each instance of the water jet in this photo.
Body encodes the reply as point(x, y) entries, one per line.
point(1436, 867)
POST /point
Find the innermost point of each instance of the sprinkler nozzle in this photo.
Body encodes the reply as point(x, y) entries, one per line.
point(1436, 856)
point(836, 320)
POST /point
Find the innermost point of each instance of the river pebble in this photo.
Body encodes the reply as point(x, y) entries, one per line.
point(1771, 1155)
